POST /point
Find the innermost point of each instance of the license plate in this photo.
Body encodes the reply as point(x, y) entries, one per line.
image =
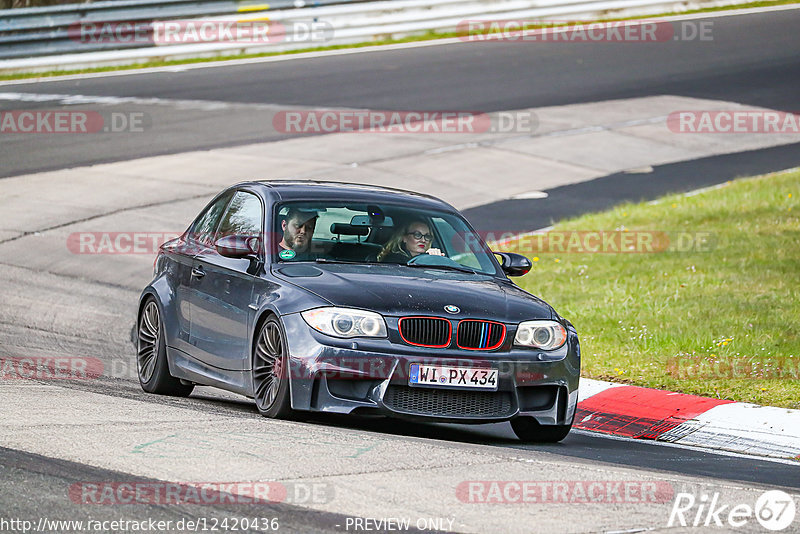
point(456, 377)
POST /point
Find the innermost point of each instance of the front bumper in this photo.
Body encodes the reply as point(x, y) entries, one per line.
point(371, 376)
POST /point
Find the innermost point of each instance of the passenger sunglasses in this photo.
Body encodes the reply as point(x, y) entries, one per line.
point(420, 235)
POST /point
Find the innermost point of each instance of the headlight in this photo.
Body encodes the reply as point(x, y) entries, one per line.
point(545, 335)
point(346, 322)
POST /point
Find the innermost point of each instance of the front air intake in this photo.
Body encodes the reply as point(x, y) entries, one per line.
point(449, 403)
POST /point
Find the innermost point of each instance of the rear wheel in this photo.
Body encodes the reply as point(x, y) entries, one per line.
point(529, 430)
point(271, 371)
point(151, 355)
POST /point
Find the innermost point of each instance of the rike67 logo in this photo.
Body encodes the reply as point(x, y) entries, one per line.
point(774, 510)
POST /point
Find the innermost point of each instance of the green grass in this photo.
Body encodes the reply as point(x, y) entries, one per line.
point(676, 319)
point(426, 36)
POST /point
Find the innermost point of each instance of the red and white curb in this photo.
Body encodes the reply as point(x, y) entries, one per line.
point(643, 413)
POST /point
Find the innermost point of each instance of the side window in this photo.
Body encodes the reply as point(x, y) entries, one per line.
point(448, 235)
point(244, 216)
point(460, 250)
point(205, 226)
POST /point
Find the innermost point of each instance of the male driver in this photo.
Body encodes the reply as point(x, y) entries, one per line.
point(298, 229)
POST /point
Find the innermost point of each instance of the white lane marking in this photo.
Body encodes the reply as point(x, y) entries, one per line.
point(71, 100)
point(695, 448)
point(694, 192)
point(647, 169)
point(172, 69)
point(704, 189)
point(530, 195)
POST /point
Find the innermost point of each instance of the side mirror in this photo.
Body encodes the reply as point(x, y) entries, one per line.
point(238, 246)
point(514, 264)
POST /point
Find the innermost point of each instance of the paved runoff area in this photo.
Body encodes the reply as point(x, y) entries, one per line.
point(77, 246)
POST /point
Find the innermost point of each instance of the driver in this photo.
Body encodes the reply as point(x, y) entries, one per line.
point(298, 230)
point(410, 240)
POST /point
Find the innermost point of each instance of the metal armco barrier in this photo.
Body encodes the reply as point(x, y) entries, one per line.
point(44, 39)
point(38, 31)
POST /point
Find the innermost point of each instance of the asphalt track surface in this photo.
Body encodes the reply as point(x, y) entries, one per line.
point(753, 60)
point(33, 486)
point(517, 215)
point(579, 444)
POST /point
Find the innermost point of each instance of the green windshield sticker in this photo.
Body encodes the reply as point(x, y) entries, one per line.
point(287, 254)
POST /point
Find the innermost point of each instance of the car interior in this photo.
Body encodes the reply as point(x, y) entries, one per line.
point(356, 233)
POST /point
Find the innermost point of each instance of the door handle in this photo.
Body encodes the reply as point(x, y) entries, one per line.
point(198, 272)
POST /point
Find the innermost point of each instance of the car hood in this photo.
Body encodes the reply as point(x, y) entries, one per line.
point(402, 291)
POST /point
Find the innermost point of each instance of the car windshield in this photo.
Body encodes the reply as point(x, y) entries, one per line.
point(380, 234)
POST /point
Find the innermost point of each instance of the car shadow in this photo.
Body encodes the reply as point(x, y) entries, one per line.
point(491, 433)
point(481, 434)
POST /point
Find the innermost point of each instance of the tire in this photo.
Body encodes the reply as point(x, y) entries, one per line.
point(151, 354)
point(271, 371)
point(529, 430)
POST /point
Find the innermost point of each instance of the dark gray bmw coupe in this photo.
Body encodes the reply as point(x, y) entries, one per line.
point(353, 299)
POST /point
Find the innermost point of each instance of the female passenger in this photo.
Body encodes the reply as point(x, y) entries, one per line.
point(410, 240)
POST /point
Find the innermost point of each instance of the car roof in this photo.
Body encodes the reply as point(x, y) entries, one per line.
point(288, 190)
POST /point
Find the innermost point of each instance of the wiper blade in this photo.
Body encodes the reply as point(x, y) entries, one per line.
point(447, 267)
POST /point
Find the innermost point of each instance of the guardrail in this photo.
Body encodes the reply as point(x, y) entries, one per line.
point(52, 30)
point(37, 31)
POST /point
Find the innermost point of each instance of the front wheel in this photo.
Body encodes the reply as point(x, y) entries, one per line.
point(529, 430)
point(151, 355)
point(271, 371)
